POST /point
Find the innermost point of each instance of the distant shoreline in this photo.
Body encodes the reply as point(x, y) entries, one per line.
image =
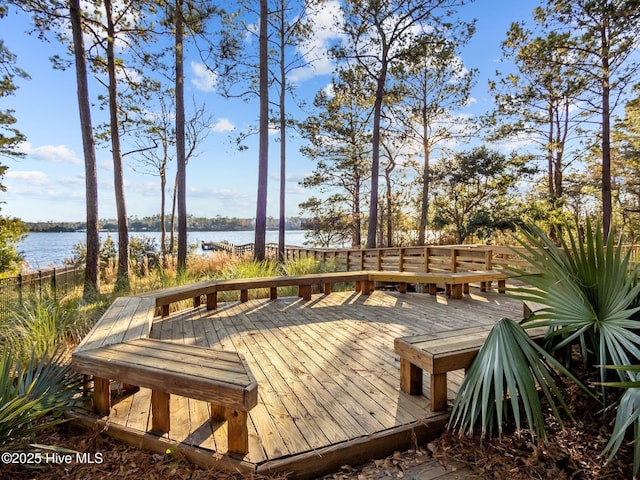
point(44, 249)
point(154, 225)
point(105, 230)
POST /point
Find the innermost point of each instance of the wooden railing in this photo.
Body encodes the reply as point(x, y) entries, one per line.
point(455, 258)
point(426, 259)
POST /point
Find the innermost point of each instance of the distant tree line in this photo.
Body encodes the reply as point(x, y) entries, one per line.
point(154, 224)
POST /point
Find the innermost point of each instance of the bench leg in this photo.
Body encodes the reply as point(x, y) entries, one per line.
point(410, 378)
point(273, 293)
point(403, 287)
point(466, 288)
point(327, 288)
point(160, 422)
point(86, 378)
point(238, 432)
point(101, 395)
point(304, 291)
point(244, 296)
point(456, 291)
point(433, 289)
point(218, 412)
point(502, 286)
point(438, 392)
point(164, 311)
point(197, 301)
point(212, 301)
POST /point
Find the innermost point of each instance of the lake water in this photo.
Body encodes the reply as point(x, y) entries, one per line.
point(43, 250)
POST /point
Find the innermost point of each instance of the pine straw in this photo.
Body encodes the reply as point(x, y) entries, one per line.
point(119, 461)
point(572, 452)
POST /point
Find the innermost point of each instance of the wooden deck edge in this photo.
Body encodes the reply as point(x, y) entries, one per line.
point(303, 466)
point(147, 441)
point(313, 464)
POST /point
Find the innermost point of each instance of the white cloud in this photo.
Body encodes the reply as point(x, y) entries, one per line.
point(106, 165)
point(316, 49)
point(51, 153)
point(223, 125)
point(330, 90)
point(28, 177)
point(290, 177)
point(203, 78)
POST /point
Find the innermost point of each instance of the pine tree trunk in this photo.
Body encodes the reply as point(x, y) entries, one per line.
point(92, 270)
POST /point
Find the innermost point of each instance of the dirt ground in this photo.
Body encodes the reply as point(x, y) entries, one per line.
point(572, 452)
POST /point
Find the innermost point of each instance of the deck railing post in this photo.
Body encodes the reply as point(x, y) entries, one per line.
point(426, 259)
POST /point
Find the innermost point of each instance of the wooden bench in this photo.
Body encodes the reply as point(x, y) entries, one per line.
point(303, 282)
point(221, 378)
point(118, 349)
point(529, 307)
point(128, 318)
point(439, 353)
point(456, 283)
point(164, 298)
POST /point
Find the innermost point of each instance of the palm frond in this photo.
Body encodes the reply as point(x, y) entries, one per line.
point(33, 397)
point(628, 414)
point(502, 383)
point(590, 292)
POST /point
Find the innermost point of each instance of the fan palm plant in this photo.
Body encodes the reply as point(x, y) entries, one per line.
point(504, 377)
point(589, 294)
point(33, 396)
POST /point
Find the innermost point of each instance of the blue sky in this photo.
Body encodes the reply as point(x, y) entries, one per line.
point(48, 184)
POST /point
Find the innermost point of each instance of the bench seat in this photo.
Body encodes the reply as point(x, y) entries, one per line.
point(128, 318)
point(219, 377)
point(456, 283)
point(210, 288)
point(439, 353)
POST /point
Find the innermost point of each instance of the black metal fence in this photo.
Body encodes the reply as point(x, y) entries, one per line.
point(56, 281)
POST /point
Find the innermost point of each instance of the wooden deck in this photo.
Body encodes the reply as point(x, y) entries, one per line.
point(328, 377)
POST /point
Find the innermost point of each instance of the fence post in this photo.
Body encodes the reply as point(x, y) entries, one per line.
point(54, 283)
point(20, 288)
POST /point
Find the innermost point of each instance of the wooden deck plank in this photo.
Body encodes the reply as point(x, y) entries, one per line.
point(336, 348)
point(274, 417)
point(201, 432)
point(314, 386)
point(373, 371)
point(360, 395)
point(179, 406)
point(139, 415)
point(288, 411)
